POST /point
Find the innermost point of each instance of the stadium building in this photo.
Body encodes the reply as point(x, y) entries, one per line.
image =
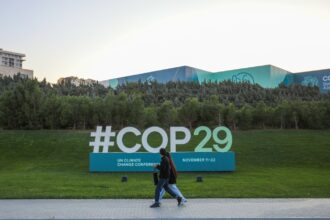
point(267, 76)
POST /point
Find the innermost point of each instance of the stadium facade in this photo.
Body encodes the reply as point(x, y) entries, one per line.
point(267, 76)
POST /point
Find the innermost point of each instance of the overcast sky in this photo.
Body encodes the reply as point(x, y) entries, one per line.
point(101, 39)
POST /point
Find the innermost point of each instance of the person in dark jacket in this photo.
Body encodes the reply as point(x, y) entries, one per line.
point(164, 175)
point(172, 181)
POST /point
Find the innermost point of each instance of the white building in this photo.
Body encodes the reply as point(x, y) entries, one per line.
point(11, 63)
point(75, 81)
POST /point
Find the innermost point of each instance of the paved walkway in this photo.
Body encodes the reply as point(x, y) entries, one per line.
point(139, 209)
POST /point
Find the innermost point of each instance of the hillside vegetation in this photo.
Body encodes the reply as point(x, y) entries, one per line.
point(30, 104)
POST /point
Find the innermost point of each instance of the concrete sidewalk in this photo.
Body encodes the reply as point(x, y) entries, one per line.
point(139, 209)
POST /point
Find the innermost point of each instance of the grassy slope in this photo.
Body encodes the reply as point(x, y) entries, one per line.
point(271, 163)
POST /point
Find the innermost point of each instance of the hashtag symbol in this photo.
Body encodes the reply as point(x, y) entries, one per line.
point(98, 134)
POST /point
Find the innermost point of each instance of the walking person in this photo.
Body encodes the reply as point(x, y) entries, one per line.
point(164, 175)
point(172, 181)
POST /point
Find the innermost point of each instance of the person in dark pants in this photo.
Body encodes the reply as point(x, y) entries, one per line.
point(172, 181)
point(164, 175)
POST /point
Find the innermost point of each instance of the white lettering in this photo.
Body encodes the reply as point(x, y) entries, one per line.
point(326, 78)
point(146, 134)
point(120, 142)
point(173, 138)
point(104, 139)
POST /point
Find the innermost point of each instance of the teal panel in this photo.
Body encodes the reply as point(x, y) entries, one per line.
point(267, 76)
point(319, 78)
point(277, 75)
point(183, 73)
point(143, 162)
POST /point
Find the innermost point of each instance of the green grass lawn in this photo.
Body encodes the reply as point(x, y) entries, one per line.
point(270, 163)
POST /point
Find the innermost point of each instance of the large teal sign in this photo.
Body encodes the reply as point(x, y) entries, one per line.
point(143, 162)
point(205, 157)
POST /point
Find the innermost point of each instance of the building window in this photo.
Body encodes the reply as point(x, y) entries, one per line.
point(11, 62)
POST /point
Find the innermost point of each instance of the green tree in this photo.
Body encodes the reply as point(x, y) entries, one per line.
point(260, 114)
point(136, 111)
point(166, 114)
point(211, 112)
point(281, 113)
point(231, 116)
point(150, 116)
point(21, 105)
point(51, 112)
point(188, 113)
point(120, 110)
point(245, 117)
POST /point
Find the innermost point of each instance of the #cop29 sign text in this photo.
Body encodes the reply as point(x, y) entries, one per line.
point(205, 157)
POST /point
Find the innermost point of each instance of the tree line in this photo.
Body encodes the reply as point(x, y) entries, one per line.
point(30, 104)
